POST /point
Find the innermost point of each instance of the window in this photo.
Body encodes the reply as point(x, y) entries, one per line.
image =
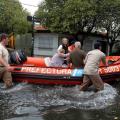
point(44, 42)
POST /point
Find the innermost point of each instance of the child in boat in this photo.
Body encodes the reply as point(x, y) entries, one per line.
point(58, 59)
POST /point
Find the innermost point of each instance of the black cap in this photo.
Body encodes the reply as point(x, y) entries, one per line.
point(97, 45)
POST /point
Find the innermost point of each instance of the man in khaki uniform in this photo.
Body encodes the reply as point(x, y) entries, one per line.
point(5, 68)
point(77, 56)
point(91, 75)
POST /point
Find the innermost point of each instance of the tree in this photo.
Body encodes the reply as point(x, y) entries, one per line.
point(75, 16)
point(110, 20)
point(51, 14)
point(67, 15)
point(13, 17)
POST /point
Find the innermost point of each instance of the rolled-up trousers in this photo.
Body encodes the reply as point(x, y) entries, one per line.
point(92, 79)
point(6, 76)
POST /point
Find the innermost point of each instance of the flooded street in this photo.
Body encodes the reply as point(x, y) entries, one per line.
point(59, 42)
point(34, 102)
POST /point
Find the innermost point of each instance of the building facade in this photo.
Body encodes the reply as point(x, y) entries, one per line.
point(46, 43)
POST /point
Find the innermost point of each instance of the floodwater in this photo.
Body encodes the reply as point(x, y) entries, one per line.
point(33, 102)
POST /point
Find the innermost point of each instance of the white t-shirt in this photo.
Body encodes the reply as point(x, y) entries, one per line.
point(59, 48)
point(4, 53)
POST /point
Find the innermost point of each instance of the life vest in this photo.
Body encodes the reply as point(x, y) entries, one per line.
point(65, 48)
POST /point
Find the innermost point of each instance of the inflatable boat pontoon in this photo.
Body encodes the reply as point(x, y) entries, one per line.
point(36, 71)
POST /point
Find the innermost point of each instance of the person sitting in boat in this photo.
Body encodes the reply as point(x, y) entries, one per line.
point(77, 56)
point(64, 46)
point(72, 46)
point(5, 68)
point(58, 59)
point(91, 73)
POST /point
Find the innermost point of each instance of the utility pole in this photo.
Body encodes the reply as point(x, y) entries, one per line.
point(33, 19)
point(32, 51)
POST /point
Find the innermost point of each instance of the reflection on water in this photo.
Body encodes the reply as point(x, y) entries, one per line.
point(28, 102)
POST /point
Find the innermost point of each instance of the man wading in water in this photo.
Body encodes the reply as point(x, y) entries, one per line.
point(91, 74)
point(5, 68)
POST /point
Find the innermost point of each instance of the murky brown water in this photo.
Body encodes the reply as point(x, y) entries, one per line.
point(34, 102)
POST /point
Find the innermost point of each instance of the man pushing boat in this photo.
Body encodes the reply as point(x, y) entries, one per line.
point(91, 74)
point(77, 56)
point(5, 68)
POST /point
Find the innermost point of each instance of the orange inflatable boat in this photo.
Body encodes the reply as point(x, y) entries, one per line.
point(36, 70)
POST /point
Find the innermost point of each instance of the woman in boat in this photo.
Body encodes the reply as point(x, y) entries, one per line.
point(58, 59)
point(64, 46)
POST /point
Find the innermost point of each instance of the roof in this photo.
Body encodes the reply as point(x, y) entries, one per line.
point(40, 28)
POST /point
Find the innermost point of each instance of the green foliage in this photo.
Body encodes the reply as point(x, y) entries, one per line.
point(81, 15)
point(51, 13)
point(13, 17)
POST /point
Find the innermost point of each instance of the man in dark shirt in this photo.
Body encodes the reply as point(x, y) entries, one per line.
point(77, 56)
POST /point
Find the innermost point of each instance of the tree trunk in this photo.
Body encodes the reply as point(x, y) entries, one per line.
point(81, 39)
point(111, 46)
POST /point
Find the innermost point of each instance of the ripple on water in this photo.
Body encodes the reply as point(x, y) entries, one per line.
point(72, 97)
point(91, 100)
point(32, 99)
